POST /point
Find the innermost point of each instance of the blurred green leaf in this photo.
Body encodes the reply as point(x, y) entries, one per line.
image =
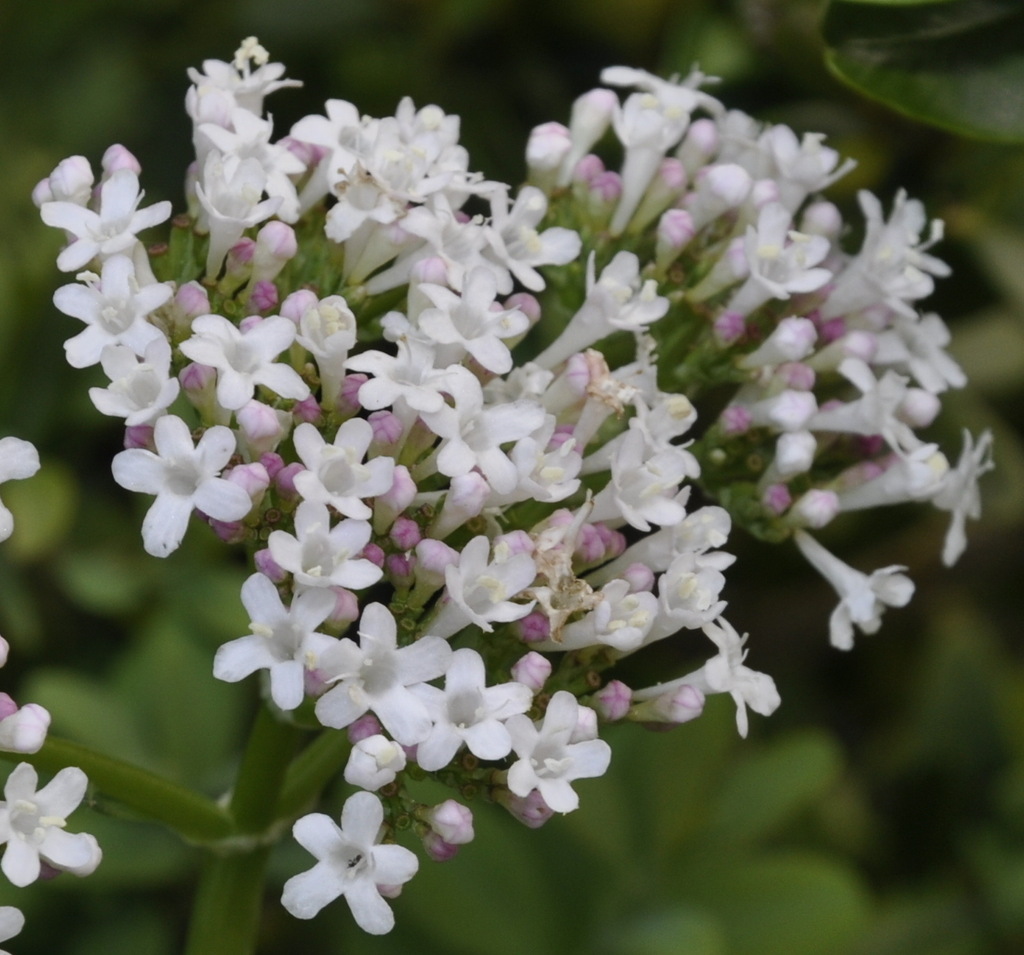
point(43, 509)
point(785, 904)
point(769, 788)
point(957, 64)
point(678, 931)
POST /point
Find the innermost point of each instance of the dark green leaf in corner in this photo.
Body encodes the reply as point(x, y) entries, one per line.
point(957, 64)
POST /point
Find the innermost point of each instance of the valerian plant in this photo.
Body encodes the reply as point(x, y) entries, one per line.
point(479, 446)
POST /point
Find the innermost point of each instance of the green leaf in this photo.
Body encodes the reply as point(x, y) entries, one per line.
point(957, 64)
point(770, 787)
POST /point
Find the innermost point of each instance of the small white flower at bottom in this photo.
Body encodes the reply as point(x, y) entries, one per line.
point(350, 862)
point(32, 824)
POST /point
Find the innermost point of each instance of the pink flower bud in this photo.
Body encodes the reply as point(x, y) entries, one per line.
point(763, 192)
point(387, 428)
point(70, 181)
point(588, 169)
point(640, 578)
point(431, 270)
point(363, 728)
point(348, 397)
point(307, 411)
point(275, 246)
point(822, 218)
point(532, 670)
point(252, 478)
point(433, 557)
point(514, 542)
point(530, 810)
point(298, 303)
point(776, 498)
point(239, 260)
point(437, 849)
point(192, 299)
point(263, 297)
point(399, 569)
point(374, 554)
point(736, 419)
point(402, 492)
point(284, 480)
point(534, 627)
point(269, 567)
point(118, 157)
point(796, 375)
point(699, 144)
point(546, 149)
point(273, 462)
point(346, 606)
point(680, 705)
point(261, 426)
point(815, 509)
point(7, 706)
point(919, 408)
point(139, 436)
point(729, 327)
point(405, 533)
point(452, 821)
point(613, 700)
point(586, 725)
point(231, 532)
point(24, 731)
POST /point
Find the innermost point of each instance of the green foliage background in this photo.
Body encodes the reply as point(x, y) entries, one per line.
point(880, 811)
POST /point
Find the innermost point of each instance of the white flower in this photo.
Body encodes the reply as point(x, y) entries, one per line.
point(245, 359)
point(139, 391)
point(32, 824)
point(18, 460)
point(469, 712)
point(230, 193)
point(111, 230)
point(726, 673)
point(548, 761)
point(247, 86)
point(350, 862)
point(319, 555)
point(114, 309)
point(377, 675)
point(862, 597)
point(959, 493)
point(478, 592)
point(336, 472)
point(374, 762)
point(183, 476)
point(284, 640)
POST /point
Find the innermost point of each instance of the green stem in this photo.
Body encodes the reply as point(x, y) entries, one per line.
point(311, 770)
point(194, 816)
point(226, 912)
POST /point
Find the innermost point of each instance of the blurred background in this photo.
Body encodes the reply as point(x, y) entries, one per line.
point(880, 811)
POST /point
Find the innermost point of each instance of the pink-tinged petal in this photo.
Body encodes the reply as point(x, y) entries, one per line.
point(307, 893)
point(372, 914)
point(165, 523)
point(20, 863)
point(240, 658)
point(222, 500)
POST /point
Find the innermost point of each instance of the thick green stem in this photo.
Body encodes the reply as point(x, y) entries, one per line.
point(226, 915)
point(226, 912)
point(194, 816)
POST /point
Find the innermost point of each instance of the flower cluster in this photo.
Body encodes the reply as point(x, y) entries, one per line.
point(460, 428)
point(33, 820)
